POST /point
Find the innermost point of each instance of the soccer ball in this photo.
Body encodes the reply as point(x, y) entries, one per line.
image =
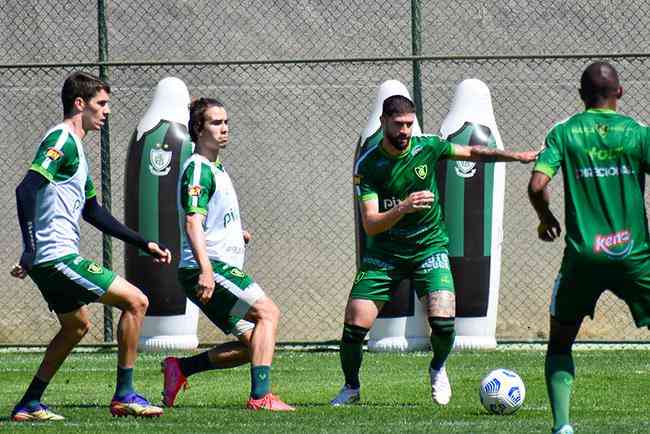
point(502, 391)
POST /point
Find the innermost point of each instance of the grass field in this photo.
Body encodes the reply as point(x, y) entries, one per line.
point(610, 395)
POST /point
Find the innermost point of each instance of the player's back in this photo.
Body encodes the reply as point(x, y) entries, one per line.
point(604, 158)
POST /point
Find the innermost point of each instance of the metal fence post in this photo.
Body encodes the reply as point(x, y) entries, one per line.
point(416, 46)
point(105, 145)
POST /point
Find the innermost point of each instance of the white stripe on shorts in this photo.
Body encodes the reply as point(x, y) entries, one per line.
point(246, 297)
point(556, 285)
point(79, 279)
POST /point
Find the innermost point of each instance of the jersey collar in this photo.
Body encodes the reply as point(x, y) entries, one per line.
point(600, 110)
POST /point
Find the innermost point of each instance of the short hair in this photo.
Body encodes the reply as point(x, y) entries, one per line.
point(198, 108)
point(598, 83)
point(397, 104)
point(82, 85)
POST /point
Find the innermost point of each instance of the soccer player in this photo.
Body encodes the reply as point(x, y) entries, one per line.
point(604, 157)
point(210, 268)
point(406, 238)
point(56, 191)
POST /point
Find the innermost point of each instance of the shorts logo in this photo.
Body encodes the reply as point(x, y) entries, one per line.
point(237, 272)
point(194, 190)
point(465, 169)
point(359, 277)
point(421, 171)
point(616, 245)
point(94, 268)
point(53, 154)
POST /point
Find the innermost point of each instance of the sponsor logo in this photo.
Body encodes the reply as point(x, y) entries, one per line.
point(229, 217)
point(437, 261)
point(416, 150)
point(77, 205)
point(77, 260)
point(160, 158)
point(465, 169)
point(237, 272)
point(603, 172)
point(53, 154)
point(598, 153)
point(94, 268)
point(194, 190)
point(616, 245)
point(421, 171)
point(390, 202)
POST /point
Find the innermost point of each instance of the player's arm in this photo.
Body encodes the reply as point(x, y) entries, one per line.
point(540, 198)
point(26, 194)
point(490, 155)
point(98, 216)
point(196, 237)
point(375, 222)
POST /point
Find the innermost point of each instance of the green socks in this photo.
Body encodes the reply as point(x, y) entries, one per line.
point(260, 381)
point(124, 382)
point(443, 334)
point(351, 353)
point(560, 373)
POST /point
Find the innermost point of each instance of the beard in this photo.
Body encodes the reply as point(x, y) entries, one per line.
point(399, 142)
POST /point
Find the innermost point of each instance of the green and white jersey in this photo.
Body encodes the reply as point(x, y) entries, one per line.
point(604, 157)
point(206, 188)
point(387, 179)
point(60, 158)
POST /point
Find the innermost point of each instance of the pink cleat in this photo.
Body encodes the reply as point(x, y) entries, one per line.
point(268, 402)
point(174, 380)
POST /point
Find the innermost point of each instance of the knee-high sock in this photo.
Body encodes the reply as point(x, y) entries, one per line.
point(559, 373)
point(351, 353)
point(443, 334)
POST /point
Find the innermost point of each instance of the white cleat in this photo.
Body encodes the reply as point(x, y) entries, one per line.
point(564, 429)
point(440, 387)
point(346, 396)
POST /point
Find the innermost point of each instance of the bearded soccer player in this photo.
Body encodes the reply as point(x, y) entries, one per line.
point(210, 268)
point(604, 157)
point(406, 238)
point(56, 191)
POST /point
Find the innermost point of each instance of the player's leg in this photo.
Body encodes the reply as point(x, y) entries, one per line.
point(433, 283)
point(133, 304)
point(74, 326)
point(370, 291)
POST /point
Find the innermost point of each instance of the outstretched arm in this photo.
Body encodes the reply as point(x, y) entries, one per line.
point(549, 228)
point(490, 155)
point(26, 194)
point(98, 216)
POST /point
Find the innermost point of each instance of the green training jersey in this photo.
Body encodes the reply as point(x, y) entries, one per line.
point(388, 179)
point(604, 157)
point(60, 158)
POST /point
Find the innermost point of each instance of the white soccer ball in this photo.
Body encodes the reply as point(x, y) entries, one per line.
point(502, 391)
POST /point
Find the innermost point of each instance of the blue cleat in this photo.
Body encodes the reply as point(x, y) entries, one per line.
point(134, 405)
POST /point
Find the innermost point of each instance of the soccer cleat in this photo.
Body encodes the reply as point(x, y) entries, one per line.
point(564, 429)
point(134, 405)
point(268, 402)
point(346, 396)
point(22, 413)
point(174, 380)
point(440, 387)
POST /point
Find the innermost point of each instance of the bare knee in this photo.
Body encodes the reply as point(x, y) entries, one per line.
point(75, 331)
point(265, 310)
point(137, 304)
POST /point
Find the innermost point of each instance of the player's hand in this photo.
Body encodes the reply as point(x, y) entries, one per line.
point(18, 272)
point(160, 253)
point(417, 201)
point(205, 287)
point(247, 237)
point(526, 157)
point(548, 229)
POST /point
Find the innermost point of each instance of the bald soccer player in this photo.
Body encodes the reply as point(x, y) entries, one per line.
point(604, 157)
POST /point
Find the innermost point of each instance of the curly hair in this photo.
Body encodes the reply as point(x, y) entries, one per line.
point(198, 108)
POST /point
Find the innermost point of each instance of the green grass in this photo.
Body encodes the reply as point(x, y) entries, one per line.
point(610, 395)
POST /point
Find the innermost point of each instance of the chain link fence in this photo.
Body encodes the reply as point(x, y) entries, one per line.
point(295, 122)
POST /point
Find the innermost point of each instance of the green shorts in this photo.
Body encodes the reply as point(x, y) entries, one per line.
point(69, 282)
point(579, 285)
point(377, 279)
point(234, 294)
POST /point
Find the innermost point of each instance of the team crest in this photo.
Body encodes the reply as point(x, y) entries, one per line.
point(159, 158)
point(53, 154)
point(465, 169)
point(94, 268)
point(421, 171)
point(237, 272)
point(194, 190)
point(602, 129)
